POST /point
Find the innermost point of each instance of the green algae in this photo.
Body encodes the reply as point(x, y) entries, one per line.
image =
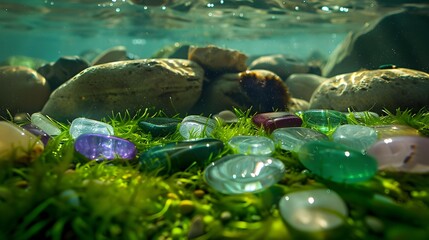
point(118, 201)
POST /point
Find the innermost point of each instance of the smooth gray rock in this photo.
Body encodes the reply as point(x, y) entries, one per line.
point(400, 38)
point(302, 85)
point(171, 85)
point(374, 90)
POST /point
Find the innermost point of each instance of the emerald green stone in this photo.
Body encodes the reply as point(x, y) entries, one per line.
point(159, 126)
point(174, 157)
point(323, 120)
point(336, 162)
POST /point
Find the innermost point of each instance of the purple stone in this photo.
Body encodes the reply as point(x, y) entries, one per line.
point(44, 137)
point(273, 120)
point(104, 147)
point(404, 153)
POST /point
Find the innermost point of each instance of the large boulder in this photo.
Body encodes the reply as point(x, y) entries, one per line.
point(171, 85)
point(23, 90)
point(400, 38)
point(374, 90)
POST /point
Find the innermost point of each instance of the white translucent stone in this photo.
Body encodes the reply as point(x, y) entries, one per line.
point(236, 174)
point(45, 124)
point(354, 136)
point(195, 127)
point(313, 210)
point(81, 126)
point(18, 143)
point(253, 145)
point(361, 115)
point(292, 138)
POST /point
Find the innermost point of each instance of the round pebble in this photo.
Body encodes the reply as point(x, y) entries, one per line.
point(273, 120)
point(252, 145)
point(403, 153)
point(323, 120)
point(356, 137)
point(45, 124)
point(236, 174)
point(336, 162)
point(393, 130)
point(81, 126)
point(159, 126)
point(313, 210)
point(195, 127)
point(104, 147)
point(291, 139)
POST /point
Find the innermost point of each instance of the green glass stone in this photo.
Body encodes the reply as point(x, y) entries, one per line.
point(323, 120)
point(159, 126)
point(336, 162)
point(174, 157)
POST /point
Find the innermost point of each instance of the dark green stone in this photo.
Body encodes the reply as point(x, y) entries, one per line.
point(159, 126)
point(174, 157)
point(336, 162)
point(323, 120)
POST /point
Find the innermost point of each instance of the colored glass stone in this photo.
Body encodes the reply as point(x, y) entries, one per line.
point(387, 131)
point(356, 137)
point(37, 132)
point(361, 115)
point(403, 153)
point(159, 126)
point(71, 197)
point(235, 174)
point(179, 156)
point(253, 145)
point(273, 120)
point(196, 127)
point(104, 147)
point(18, 144)
point(336, 162)
point(313, 210)
point(291, 139)
point(81, 126)
point(323, 120)
point(45, 124)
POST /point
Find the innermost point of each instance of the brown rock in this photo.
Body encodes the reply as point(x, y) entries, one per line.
point(218, 60)
point(399, 38)
point(302, 85)
point(171, 85)
point(22, 90)
point(114, 54)
point(374, 90)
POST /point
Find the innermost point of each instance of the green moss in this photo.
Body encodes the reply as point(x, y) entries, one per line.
point(114, 200)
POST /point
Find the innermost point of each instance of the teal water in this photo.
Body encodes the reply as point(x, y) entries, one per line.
point(48, 29)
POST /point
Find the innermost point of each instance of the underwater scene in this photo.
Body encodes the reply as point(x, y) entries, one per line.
point(222, 119)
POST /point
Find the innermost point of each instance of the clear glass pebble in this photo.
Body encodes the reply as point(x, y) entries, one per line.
point(323, 120)
point(354, 136)
point(81, 126)
point(313, 210)
point(252, 145)
point(195, 127)
point(291, 139)
point(42, 122)
point(236, 174)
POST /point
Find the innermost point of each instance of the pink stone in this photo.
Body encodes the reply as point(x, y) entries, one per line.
point(403, 153)
point(273, 120)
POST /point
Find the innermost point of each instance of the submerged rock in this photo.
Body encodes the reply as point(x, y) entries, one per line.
point(23, 90)
point(171, 85)
point(303, 85)
point(374, 90)
point(118, 53)
point(218, 60)
point(23, 61)
point(398, 38)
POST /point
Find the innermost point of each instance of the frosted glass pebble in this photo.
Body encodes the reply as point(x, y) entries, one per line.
point(195, 127)
point(291, 139)
point(253, 145)
point(45, 124)
point(235, 174)
point(313, 210)
point(355, 136)
point(403, 153)
point(387, 131)
point(18, 143)
point(361, 115)
point(81, 126)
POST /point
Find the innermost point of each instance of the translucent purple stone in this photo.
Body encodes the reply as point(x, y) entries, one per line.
point(273, 120)
point(44, 137)
point(104, 147)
